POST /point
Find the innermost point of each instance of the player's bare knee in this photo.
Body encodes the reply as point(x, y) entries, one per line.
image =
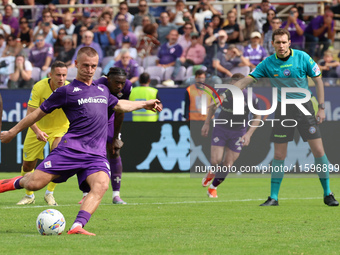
point(280, 155)
point(100, 187)
point(28, 166)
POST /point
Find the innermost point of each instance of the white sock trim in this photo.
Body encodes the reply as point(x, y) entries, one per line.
point(115, 194)
point(76, 224)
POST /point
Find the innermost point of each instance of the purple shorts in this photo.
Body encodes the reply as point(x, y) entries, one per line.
point(68, 162)
point(227, 138)
point(111, 128)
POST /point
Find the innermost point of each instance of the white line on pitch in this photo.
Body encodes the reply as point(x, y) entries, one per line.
point(164, 203)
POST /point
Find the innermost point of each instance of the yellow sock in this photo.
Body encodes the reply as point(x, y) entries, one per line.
point(51, 186)
point(28, 192)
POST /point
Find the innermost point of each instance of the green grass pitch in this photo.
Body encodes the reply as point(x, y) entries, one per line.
point(171, 214)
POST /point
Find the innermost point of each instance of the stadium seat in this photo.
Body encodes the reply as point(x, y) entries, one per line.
point(190, 73)
point(36, 74)
point(140, 70)
point(149, 61)
point(338, 71)
point(71, 73)
point(181, 74)
point(245, 70)
point(44, 74)
point(156, 73)
point(98, 73)
point(105, 61)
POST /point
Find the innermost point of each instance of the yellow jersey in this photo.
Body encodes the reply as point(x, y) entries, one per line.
point(54, 121)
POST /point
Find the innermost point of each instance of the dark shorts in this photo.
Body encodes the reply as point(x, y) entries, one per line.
point(67, 162)
point(306, 124)
point(227, 138)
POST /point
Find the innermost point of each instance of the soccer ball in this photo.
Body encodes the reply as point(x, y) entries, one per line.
point(51, 222)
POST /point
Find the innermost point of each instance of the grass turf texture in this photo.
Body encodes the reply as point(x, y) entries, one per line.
point(171, 214)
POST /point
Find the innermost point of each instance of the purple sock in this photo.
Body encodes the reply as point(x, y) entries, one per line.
point(219, 178)
point(17, 184)
point(83, 217)
point(116, 173)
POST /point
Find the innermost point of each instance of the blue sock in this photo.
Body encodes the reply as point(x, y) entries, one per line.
point(321, 165)
point(276, 178)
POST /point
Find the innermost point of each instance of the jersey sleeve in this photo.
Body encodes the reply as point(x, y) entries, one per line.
point(259, 71)
point(312, 68)
point(113, 101)
point(57, 99)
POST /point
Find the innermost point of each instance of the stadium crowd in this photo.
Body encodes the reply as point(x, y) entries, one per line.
point(169, 42)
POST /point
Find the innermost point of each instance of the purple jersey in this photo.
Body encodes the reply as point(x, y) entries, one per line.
point(124, 94)
point(317, 23)
point(256, 55)
point(294, 37)
point(86, 107)
point(226, 112)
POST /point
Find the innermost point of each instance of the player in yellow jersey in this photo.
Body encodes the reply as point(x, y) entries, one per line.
point(49, 129)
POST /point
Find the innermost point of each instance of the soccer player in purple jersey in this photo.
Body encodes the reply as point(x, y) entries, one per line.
point(120, 87)
point(82, 149)
point(228, 139)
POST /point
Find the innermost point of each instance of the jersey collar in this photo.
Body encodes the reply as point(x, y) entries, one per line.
point(291, 55)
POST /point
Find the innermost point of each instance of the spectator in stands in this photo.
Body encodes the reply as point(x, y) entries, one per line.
point(170, 52)
point(2, 44)
point(232, 29)
point(143, 11)
point(139, 29)
point(225, 62)
point(129, 65)
point(176, 14)
point(86, 22)
point(188, 19)
point(108, 18)
point(124, 27)
point(67, 51)
point(59, 43)
point(104, 38)
point(296, 28)
point(194, 54)
point(13, 47)
point(267, 41)
point(185, 39)
point(47, 33)
point(328, 67)
point(133, 10)
point(148, 44)
point(41, 54)
point(67, 23)
point(119, 21)
point(260, 15)
point(217, 43)
point(254, 52)
point(88, 41)
point(95, 12)
point(25, 33)
point(14, 7)
point(124, 10)
point(20, 74)
point(164, 27)
point(211, 27)
point(47, 20)
point(5, 30)
point(156, 10)
point(193, 98)
point(202, 11)
point(267, 26)
point(250, 26)
point(316, 30)
point(10, 20)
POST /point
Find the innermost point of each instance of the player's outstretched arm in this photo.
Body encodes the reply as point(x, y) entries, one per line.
point(7, 136)
point(41, 136)
point(129, 106)
point(243, 83)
